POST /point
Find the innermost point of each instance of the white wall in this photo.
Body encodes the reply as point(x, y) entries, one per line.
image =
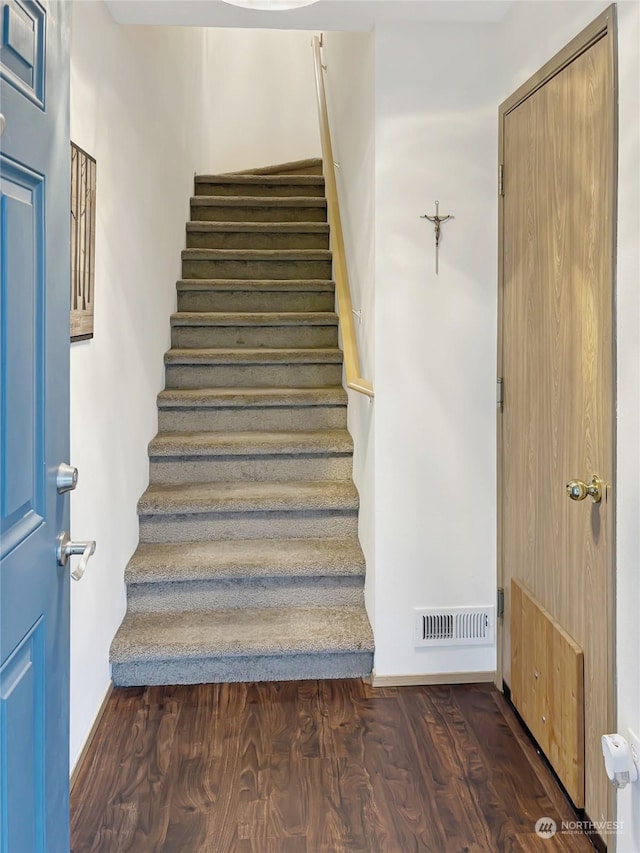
point(628, 432)
point(435, 336)
point(533, 32)
point(349, 82)
point(260, 104)
point(153, 105)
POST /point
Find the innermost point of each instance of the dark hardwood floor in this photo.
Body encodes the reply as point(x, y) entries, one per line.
point(313, 767)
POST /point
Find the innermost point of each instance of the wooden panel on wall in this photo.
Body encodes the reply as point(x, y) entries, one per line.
point(547, 687)
point(83, 242)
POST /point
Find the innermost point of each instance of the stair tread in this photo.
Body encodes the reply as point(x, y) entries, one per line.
point(280, 168)
point(257, 201)
point(252, 180)
point(256, 254)
point(254, 355)
point(340, 495)
point(259, 227)
point(192, 397)
point(254, 443)
point(239, 558)
point(249, 284)
point(254, 318)
point(240, 632)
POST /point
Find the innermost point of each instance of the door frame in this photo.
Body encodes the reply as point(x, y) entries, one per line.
point(603, 25)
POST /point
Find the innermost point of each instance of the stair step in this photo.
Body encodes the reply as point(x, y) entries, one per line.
point(311, 166)
point(258, 235)
point(258, 209)
point(253, 573)
point(204, 329)
point(256, 295)
point(259, 185)
point(249, 367)
point(264, 510)
point(256, 263)
point(252, 409)
point(250, 558)
point(260, 644)
point(201, 457)
point(247, 497)
point(250, 443)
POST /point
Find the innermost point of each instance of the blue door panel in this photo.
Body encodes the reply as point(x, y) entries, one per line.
point(34, 426)
point(22, 769)
point(22, 37)
point(22, 435)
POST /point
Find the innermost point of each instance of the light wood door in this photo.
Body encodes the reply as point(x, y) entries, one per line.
point(558, 367)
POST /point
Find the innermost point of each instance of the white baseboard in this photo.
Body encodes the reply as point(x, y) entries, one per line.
point(434, 678)
point(85, 749)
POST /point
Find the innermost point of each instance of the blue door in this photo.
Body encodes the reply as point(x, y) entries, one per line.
point(34, 426)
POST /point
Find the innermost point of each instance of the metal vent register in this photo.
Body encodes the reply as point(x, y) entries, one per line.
point(454, 626)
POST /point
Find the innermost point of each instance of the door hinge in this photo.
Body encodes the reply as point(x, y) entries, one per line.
point(501, 179)
point(500, 392)
point(500, 608)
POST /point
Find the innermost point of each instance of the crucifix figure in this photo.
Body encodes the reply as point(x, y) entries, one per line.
point(437, 220)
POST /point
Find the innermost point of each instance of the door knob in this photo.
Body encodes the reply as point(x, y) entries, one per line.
point(66, 548)
point(578, 491)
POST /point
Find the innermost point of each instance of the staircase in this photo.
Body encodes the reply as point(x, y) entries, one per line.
point(249, 566)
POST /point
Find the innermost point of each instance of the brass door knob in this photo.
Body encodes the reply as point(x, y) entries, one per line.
point(578, 491)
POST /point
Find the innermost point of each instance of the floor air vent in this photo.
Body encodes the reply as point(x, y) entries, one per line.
point(455, 626)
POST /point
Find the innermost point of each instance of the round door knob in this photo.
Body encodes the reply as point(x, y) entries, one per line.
point(578, 491)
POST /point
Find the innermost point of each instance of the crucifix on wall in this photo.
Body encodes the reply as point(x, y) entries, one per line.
point(437, 221)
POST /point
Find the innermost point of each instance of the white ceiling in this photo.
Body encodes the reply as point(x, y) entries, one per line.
point(323, 15)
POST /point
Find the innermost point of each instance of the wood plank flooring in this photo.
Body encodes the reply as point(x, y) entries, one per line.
point(313, 767)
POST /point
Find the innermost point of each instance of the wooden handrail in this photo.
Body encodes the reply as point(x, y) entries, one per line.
point(345, 307)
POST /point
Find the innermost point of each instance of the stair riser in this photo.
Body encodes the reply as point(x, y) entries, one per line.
point(198, 337)
point(244, 213)
point(229, 669)
point(249, 270)
point(254, 418)
point(265, 190)
point(303, 170)
point(215, 527)
point(267, 592)
point(255, 240)
point(249, 469)
point(253, 375)
point(259, 301)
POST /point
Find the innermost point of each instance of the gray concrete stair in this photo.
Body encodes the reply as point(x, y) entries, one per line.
point(248, 565)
